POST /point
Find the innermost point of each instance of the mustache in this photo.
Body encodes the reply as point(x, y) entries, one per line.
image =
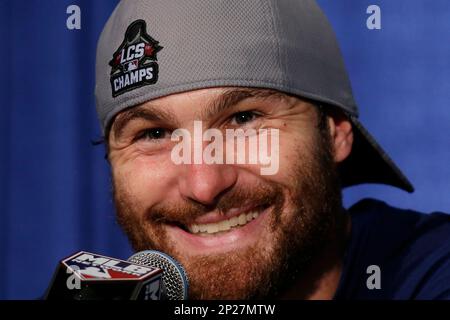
point(186, 212)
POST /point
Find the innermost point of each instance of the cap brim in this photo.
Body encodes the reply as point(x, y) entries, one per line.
point(368, 163)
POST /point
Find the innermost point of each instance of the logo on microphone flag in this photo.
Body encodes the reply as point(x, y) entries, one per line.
point(90, 266)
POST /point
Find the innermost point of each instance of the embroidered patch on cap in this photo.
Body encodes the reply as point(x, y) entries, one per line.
point(134, 63)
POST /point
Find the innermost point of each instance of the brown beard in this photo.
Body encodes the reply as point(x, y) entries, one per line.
point(293, 238)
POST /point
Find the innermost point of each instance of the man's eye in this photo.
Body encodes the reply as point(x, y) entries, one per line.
point(244, 117)
point(152, 134)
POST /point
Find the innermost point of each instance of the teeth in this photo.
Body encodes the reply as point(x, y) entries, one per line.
point(225, 225)
point(242, 219)
point(212, 227)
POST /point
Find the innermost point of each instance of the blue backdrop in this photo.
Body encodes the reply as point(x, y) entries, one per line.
point(54, 186)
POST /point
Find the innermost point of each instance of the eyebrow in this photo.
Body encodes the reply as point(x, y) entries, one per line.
point(234, 96)
point(226, 100)
point(146, 112)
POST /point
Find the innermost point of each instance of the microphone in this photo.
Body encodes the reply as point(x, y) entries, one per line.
point(175, 281)
point(90, 276)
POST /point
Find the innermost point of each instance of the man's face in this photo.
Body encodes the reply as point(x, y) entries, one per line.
point(239, 234)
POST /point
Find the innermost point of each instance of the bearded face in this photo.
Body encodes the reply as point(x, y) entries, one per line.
point(238, 234)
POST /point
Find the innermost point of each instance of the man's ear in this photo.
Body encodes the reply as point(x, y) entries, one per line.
point(341, 135)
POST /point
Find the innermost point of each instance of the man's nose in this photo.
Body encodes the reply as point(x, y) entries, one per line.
point(203, 183)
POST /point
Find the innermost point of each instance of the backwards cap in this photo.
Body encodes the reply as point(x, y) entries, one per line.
point(149, 49)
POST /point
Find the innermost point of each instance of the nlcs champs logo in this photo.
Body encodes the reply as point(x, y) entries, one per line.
point(134, 63)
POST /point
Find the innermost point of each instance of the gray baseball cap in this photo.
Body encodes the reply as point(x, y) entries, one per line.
point(149, 49)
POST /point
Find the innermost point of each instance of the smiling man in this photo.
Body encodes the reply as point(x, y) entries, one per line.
point(272, 71)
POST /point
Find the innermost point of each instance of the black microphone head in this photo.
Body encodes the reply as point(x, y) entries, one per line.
point(174, 276)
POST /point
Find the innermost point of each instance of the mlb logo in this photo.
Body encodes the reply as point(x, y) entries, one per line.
point(89, 266)
point(132, 65)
